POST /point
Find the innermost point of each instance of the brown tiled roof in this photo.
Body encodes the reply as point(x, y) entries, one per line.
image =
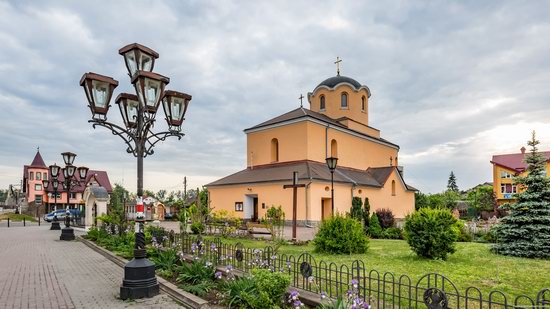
point(515, 161)
point(38, 161)
point(309, 170)
point(304, 112)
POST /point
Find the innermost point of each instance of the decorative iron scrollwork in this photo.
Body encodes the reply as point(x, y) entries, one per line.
point(305, 269)
point(435, 298)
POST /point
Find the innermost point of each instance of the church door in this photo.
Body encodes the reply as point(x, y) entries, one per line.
point(255, 217)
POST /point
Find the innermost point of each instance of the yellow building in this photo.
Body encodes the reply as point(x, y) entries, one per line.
point(335, 125)
point(505, 168)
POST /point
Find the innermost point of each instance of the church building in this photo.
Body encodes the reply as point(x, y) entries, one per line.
point(335, 125)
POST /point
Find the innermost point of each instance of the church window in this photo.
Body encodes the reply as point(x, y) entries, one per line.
point(274, 150)
point(363, 103)
point(38, 187)
point(38, 176)
point(393, 187)
point(31, 177)
point(344, 101)
point(44, 176)
point(334, 149)
point(322, 103)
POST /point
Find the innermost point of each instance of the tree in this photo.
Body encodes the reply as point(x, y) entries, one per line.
point(366, 214)
point(375, 230)
point(482, 198)
point(421, 200)
point(451, 184)
point(116, 212)
point(525, 231)
point(356, 208)
point(161, 195)
point(450, 198)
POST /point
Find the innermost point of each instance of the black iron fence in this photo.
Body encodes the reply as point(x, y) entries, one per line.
point(381, 290)
point(23, 222)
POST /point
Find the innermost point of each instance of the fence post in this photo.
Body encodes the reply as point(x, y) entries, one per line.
point(38, 220)
point(24, 223)
point(8, 221)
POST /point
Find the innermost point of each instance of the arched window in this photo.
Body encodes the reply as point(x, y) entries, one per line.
point(322, 103)
point(363, 103)
point(344, 101)
point(274, 150)
point(393, 187)
point(334, 149)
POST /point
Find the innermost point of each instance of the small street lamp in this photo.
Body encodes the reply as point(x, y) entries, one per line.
point(331, 163)
point(138, 113)
point(69, 182)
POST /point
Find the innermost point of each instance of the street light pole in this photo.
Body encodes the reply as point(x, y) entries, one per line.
point(138, 113)
point(331, 163)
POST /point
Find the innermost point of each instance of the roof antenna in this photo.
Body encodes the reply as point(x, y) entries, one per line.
point(300, 98)
point(337, 62)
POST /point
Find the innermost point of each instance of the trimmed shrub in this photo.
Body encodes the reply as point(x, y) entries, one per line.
point(366, 214)
point(392, 233)
point(341, 235)
point(375, 230)
point(356, 208)
point(385, 217)
point(270, 289)
point(197, 227)
point(431, 233)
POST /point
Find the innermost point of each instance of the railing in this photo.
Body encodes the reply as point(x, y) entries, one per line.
point(15, 223)
point(381, 290)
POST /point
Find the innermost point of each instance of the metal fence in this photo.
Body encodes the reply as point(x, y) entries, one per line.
point(24, 222)
point(381, 290)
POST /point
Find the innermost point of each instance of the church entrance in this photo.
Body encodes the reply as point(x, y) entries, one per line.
point(251, 207)
point(326, 208)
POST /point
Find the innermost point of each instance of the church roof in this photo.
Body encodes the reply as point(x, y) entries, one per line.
point(310, 170)
point(332, 82)
point(38, 161)
point(302, 112)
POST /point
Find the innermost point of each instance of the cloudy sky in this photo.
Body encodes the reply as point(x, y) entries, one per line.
point(452, 83)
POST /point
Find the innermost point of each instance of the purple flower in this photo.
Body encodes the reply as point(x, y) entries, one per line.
point(354, 283)
point(310, 279)
point(323, 295)
point(218, 275)
point(213, 247)
point(294, 295)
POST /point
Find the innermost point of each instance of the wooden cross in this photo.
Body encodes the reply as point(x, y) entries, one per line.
point(337, 62)
point(300, 98)
point(294, 187)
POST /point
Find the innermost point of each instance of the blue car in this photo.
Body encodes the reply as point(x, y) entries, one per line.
point(60, 213)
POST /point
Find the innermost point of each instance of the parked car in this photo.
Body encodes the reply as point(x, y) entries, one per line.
point(60, 213)
point(168, 216)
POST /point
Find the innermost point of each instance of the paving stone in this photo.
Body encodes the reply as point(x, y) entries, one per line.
point(37, 270)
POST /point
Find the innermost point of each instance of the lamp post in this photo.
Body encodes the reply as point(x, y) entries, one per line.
point(138, 114)
point(54, 174)
point(331, 163)
point(68, 183)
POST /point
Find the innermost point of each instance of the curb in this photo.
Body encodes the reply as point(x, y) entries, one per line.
point(187, 299)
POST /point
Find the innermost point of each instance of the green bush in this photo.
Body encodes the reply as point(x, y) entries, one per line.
point(196, 277)
point(392, 233)
point(165, 260)
point(463, 233)
point(375, 230)
point(431, 233)
point(341, 235)
point(270, 288)
point(197, 227)
point(238, 291)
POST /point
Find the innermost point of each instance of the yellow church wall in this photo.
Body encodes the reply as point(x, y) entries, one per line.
point(353, 151)
point(333, 103)
point(356, 126)
point(290, 139)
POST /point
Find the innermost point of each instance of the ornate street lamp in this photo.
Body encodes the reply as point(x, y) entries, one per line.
point(138, 113)
point(331, 163)
point(68, 183)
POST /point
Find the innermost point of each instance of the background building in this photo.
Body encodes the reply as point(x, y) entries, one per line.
point(505, 168)
point(335, 125)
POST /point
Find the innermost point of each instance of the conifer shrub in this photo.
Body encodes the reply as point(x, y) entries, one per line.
point(431, 233)
point(375, 230)
point(356, 208)
point(385, 217)
point(366, 214)
point(392, 233)
point(339, 235)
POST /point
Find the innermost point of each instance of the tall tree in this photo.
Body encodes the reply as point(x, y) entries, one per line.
point(356, 208)
point(116, 211)
point(525, 231)
point(451, 183)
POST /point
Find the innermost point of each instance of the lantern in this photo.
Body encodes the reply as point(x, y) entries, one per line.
point(54, 171)
point(331, 163)
point(138, 58)
point(98, 89)
point(150, 89)
point(175, 105)
point(129, 107)
point(45, 184)
point(68, 157)
point(55, 184)
point(83, 172)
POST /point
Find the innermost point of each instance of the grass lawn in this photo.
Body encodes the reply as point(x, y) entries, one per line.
point(16, 217)
point(473, 264)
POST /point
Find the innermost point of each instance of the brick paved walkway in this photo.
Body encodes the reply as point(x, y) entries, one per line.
point(37, 270)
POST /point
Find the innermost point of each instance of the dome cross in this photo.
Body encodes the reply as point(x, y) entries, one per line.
point(337, 62)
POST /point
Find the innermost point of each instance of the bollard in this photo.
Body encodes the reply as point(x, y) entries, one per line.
point(38, 220)
point(24, 223)
point(8, 221)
